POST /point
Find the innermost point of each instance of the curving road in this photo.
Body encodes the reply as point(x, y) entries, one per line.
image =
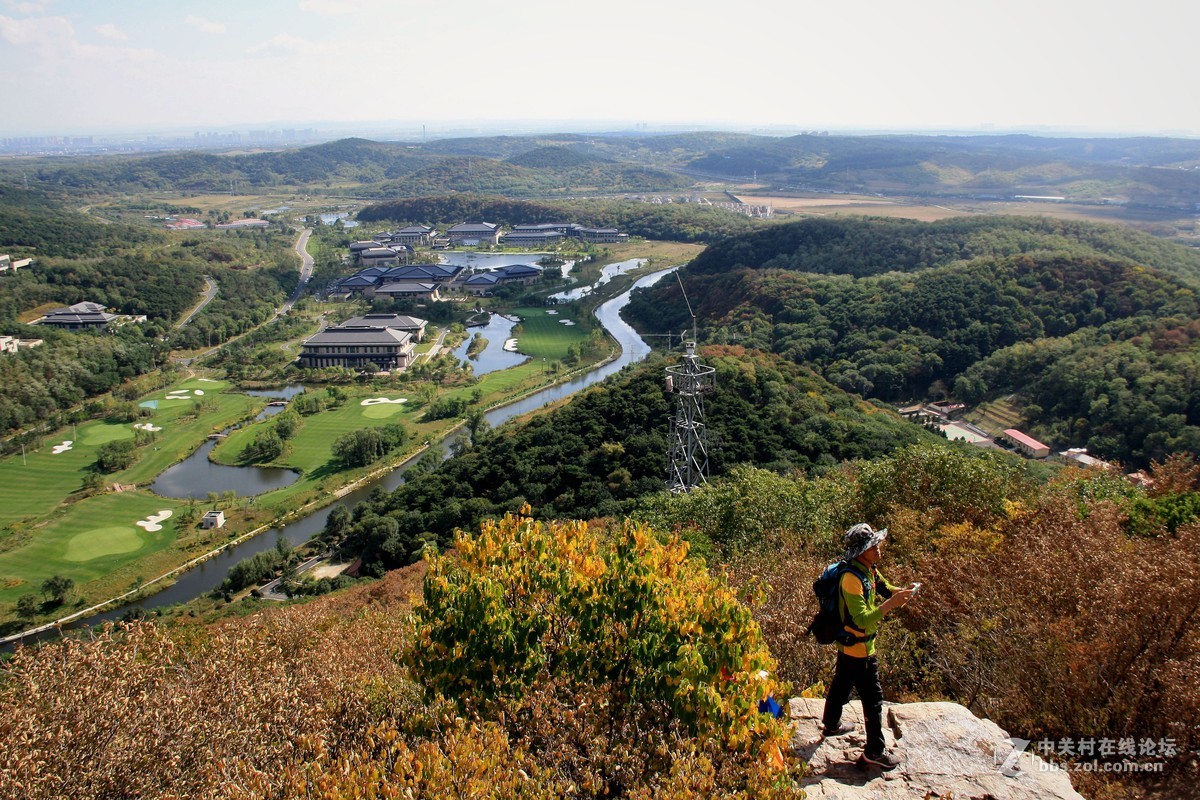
point(306, 270)
point(209, 293)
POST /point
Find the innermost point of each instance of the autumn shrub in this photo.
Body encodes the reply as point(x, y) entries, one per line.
point(919, 489)
point(611, 658)
point(1071, 627)
point(147, 711)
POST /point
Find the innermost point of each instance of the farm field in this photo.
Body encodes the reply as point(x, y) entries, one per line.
point(817, 205)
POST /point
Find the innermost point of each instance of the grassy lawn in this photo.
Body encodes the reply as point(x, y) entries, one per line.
point(544, 335)
point(89, 542)
point(308, 449)
point(41, 479)
point(34, 484)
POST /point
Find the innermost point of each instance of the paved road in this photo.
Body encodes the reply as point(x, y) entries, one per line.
point(437, 346)
point(306, 269)
point(209, 293)
point(270, 590)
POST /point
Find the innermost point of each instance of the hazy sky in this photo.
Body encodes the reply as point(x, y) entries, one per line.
point(91, 66)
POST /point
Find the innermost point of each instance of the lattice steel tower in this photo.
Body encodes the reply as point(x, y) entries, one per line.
point(688, 456)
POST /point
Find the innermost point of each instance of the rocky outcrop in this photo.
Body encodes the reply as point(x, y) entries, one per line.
point(945, 751)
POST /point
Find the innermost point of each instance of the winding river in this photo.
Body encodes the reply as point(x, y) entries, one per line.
point(208, 575)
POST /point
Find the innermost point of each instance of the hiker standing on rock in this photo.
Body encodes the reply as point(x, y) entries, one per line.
point(857, 667)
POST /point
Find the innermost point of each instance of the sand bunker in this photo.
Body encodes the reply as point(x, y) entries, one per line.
point(150, 523)
point(552, 312)
point(566, 322)
point(374, 401)
point(146, 426)
point(510, 345)
point(64, 447)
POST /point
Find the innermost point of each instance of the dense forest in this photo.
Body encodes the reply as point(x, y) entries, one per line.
point(34, 223)
point(1092, 326)
point(606, 449)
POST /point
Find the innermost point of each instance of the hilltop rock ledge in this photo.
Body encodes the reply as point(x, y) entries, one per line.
point(945, 751)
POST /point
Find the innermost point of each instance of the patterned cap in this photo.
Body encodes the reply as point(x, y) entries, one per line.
point(861, 538)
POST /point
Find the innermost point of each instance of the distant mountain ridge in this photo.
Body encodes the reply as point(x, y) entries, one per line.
point(1145, 171)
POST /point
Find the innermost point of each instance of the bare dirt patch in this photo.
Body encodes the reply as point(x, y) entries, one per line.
point(854, 205)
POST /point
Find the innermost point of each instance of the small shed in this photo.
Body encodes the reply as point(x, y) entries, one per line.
point(212, 519)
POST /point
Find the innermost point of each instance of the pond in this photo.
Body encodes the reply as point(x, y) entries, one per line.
point(494, 357)
point(196, 475)
point(329, 219)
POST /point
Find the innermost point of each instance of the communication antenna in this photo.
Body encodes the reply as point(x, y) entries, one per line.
point(687, 459)
point(695, 338)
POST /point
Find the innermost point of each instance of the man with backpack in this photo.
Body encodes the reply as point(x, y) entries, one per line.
point(860, 585)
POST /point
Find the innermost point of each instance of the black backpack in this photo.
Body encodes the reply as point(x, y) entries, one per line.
point(827, 625)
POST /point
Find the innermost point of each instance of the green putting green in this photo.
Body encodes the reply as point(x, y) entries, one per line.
point(382, 410)
point(100, 542)
point(106, 432)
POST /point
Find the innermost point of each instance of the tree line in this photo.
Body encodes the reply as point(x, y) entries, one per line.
point(674, 222)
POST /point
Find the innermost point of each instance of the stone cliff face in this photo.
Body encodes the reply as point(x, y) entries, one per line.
point(945, 750)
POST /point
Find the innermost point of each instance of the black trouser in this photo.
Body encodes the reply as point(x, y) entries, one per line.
point(861, 674)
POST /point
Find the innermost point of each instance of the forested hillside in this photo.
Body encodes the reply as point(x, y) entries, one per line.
point(527, 165)
point(1156, 172)
point(1139, 172)
point(1093, 326)
point(601, 453)
point(131, 270)
point(677, 222)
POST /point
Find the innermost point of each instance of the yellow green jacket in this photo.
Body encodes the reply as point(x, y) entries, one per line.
point(858, 605)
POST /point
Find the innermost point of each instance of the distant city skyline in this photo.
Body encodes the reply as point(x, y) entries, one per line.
point(81, 68)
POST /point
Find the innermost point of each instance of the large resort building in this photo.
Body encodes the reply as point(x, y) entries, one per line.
point(474, 233)
point(81, 316)
point(385, 340)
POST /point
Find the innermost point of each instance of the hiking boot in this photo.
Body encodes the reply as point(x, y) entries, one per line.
point(885, 761)
point(841, 730)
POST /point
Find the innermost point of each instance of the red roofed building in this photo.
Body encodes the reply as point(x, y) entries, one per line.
point(1026, 444)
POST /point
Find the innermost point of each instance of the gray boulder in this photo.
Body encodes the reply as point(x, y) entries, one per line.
point(944, 749)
